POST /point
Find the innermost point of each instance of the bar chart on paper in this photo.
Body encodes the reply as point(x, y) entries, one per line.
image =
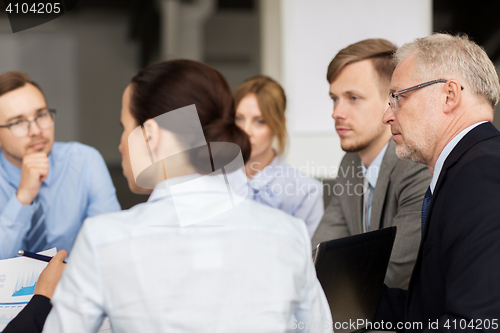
point(18, 277)
point(25, 284)
point(9, 311)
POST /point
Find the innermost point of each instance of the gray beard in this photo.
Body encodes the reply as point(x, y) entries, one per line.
point(411, 154)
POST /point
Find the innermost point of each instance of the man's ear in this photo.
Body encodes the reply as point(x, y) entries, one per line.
point(152, 134)
point(453, 91)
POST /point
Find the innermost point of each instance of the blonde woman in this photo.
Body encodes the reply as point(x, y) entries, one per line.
point(260, 112)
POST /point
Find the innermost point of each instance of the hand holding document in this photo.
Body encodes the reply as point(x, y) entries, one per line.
point(18, 278)
point(48, 280)
point(38, 256)
point(22, 277)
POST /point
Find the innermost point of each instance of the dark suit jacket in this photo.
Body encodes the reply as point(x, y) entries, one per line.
point(32, 317)
point(457, 273)
point(397, 201)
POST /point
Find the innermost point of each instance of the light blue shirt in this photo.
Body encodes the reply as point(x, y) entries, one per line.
point(446, 151)
point(371, 174)
point(78, 186)
point(283, 187)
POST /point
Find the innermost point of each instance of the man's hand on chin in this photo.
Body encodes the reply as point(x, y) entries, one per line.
point(34, 170)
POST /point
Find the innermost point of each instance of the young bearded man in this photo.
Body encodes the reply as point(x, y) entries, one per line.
point(47, 188)
point(377, 189)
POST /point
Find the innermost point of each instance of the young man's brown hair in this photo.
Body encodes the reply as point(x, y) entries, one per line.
point(13, 80)
point(379, 50)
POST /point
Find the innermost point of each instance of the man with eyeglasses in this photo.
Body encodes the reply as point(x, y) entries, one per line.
point(443, 93)
point(373, 188)
point(47, 188)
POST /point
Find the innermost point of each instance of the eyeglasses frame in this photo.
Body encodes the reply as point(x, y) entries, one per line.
point(393, 95)
point(52, 112)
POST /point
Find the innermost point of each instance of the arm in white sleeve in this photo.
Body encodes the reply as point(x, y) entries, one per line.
point(313, 313)
point(77, 305)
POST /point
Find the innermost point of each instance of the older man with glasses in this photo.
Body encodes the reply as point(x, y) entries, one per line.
point(444, 122)
point(47, 188)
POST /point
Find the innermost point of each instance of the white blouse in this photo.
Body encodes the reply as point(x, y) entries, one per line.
point(245, 269)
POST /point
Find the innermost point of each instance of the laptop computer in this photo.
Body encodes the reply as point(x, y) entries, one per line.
point(351, 271)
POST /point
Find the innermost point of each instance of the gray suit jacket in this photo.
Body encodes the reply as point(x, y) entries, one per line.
point(397, 201)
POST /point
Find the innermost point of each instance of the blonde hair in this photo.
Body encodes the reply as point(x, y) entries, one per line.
point(272, 104)
point(441, 55)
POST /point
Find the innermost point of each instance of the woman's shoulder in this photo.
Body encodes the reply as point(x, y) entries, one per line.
point(126, 224)
point(290, 174)
point(258, 216)
point(289, 187)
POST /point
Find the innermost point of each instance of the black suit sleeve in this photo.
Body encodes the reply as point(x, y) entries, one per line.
point(391, 306)
point(32, 317)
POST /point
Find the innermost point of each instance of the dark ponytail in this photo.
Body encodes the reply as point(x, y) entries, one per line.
point(170, 85)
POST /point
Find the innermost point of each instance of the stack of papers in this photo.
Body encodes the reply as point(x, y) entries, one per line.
point(18, 277)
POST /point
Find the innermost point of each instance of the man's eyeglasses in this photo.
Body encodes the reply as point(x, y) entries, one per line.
point(394, 96)
point(21, 128)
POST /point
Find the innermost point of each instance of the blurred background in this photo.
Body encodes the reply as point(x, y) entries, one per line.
point(85, 59)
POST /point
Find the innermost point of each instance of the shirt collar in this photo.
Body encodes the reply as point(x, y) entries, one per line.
point(373, 170)
point(14, 173)
point(186, 185)
point(446, 151)
point(162, 189)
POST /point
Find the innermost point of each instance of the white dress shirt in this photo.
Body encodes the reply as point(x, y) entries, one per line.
point(371, 175)
point(245, 269)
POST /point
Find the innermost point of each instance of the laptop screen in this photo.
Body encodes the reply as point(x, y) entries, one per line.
point(351, 271)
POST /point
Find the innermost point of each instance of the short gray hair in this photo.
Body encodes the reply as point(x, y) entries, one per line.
point(441, 55)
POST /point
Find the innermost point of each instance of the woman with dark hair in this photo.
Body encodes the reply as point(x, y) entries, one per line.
point(196, 257)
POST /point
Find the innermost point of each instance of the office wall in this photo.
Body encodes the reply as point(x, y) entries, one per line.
point(106, 62)
point(48, 55)
point(232, 44)
point(83, 61)
point(310, 33)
